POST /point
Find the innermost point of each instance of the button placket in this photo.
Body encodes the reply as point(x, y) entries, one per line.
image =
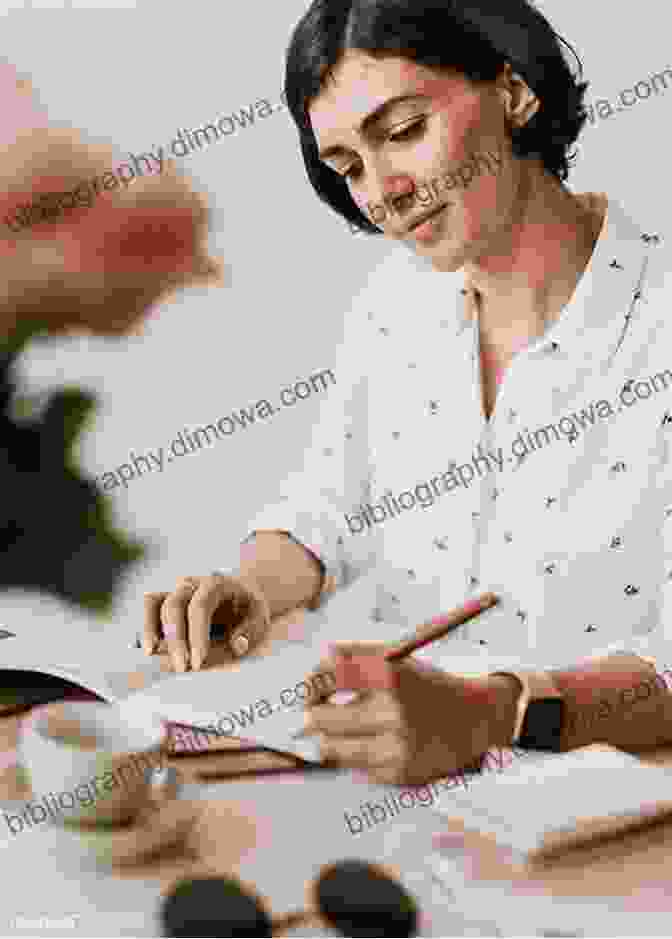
point(483, 518)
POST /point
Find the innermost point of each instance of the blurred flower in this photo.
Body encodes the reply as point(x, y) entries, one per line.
point(98, 267)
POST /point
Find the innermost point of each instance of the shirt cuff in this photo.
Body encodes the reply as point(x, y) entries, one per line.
point(652, 650)
point(330, 572)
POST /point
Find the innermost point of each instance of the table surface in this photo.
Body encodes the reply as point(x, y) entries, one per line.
point(232, 821)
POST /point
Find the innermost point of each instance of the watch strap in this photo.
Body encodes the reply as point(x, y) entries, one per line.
point(534, 685)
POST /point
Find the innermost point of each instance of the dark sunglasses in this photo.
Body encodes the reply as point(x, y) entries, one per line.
point(353, 897)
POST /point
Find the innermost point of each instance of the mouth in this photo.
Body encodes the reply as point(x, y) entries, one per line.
point(425, 217)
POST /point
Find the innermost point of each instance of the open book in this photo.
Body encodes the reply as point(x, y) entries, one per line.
point(243, 702)
point(257, 699)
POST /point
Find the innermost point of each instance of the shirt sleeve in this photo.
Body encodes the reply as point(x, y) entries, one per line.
point(312, 504)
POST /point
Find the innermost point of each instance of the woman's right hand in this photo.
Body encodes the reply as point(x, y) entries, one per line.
point(187, 617)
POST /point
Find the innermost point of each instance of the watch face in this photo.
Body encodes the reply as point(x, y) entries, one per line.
point(542, 727)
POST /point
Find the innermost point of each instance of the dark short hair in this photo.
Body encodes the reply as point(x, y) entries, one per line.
point(474, 37)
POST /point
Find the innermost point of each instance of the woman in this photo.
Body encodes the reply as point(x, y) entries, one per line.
point(522, 400)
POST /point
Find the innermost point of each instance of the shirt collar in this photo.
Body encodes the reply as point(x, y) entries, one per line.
point(596, 320)
point(593, 324)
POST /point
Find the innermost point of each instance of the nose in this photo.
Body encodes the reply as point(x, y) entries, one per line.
point(392, 194)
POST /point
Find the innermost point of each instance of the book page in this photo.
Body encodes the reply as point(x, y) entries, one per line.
point(256, 699)
point(99, 663)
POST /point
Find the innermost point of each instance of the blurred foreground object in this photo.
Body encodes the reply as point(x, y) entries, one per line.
point(94, 268)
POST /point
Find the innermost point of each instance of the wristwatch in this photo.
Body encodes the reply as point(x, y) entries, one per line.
point(540, 713)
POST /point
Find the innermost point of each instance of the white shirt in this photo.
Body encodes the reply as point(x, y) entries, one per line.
point(575, 535)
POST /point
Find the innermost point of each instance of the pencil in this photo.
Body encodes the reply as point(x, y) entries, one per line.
point(426, 633)
point(440, 626)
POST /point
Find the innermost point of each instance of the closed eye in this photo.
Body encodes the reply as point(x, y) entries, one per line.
point(406, 134)
point(409, 131)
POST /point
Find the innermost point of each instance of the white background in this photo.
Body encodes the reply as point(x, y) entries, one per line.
point(132, 75)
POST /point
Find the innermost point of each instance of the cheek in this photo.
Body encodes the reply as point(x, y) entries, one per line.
point(463, 120)
point(460, 113)
point(478, 202)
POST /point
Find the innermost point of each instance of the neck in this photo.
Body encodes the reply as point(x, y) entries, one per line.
point(530, 270)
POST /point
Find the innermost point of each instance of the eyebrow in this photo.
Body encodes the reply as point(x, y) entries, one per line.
point(376, 115)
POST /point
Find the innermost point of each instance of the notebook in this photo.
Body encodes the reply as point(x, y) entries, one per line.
point(538, 808)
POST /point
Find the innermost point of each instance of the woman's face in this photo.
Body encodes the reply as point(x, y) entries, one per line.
point(444, 149)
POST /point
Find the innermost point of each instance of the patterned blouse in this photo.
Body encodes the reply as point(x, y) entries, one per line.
point(560, 502)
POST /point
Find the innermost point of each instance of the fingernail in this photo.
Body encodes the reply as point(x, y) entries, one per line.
point(170, 630)
point(343, 697)
point(240, 644)
point(196, 662)
point(360, 776)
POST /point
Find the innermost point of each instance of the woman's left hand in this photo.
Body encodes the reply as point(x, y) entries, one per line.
point(411, 723)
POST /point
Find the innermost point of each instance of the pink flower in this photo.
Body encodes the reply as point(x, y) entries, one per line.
point(87, 257)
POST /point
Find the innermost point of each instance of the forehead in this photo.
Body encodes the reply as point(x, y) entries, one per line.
point(359, 83)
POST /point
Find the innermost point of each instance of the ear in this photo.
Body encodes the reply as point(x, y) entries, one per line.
point(519, 100)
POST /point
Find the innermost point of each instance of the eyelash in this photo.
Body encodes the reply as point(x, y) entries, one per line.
point(402, 135)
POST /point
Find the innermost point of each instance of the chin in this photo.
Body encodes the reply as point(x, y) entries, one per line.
point(443, 259)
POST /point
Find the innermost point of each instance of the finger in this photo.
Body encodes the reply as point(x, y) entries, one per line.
point(363, 647)
point(151, 634)
point(387, 774)
point(174, 623)
point(211, 593)
point(255, 619)
point(366, 672)
point(321, 684)
point(342, 671)
point(376, 713)
point(383, 752)
point(333, 652)
point(246, 620)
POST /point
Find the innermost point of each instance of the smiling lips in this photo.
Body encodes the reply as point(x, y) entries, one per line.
point(424, 228)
